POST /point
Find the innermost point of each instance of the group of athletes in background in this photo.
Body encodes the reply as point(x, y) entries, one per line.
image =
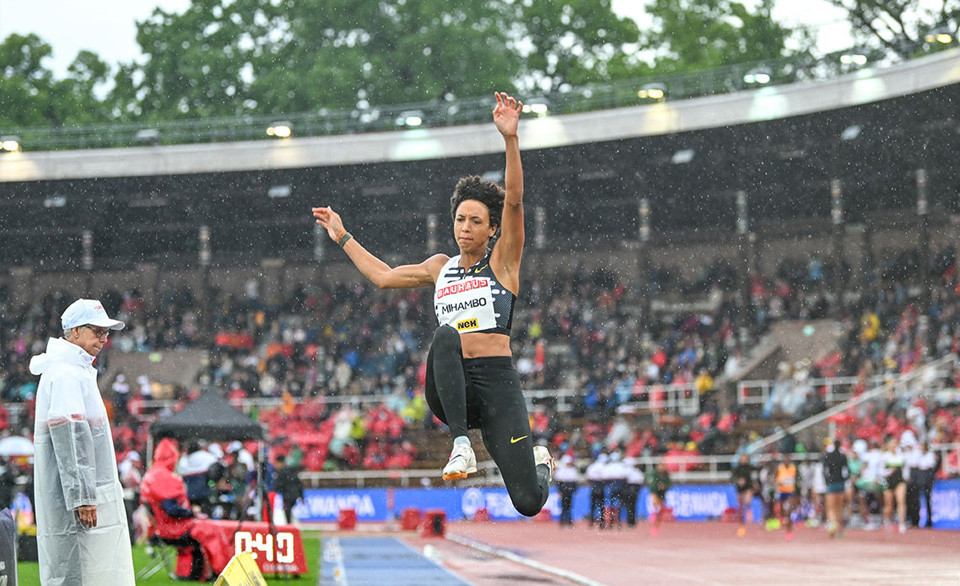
point(615, 484)
point(860, 486)
point(856, 486)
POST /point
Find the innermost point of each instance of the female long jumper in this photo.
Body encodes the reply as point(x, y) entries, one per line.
point(471, 381)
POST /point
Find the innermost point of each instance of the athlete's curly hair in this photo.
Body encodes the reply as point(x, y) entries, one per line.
point(477, 188)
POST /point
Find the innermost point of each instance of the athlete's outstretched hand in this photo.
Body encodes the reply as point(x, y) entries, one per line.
point(507, 114)
point(330, 220)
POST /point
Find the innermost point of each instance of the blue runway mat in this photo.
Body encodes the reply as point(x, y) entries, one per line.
point(378, 561)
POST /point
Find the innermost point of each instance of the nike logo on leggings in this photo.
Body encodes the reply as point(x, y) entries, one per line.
point(514, 440)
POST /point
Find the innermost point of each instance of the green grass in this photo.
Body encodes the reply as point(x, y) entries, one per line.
point(29, 572)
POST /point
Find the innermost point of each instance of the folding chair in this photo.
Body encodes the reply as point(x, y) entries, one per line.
point(161, 555)
point(172, 556)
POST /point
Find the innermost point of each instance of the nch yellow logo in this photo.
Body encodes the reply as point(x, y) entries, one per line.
point(467, 324)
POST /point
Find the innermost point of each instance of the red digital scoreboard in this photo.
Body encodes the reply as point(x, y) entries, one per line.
point(279, 551)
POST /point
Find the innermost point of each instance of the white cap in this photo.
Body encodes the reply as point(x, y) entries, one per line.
point(84, 312)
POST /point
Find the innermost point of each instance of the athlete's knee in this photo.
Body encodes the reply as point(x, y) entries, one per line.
point(527, 505)
point(446, 339)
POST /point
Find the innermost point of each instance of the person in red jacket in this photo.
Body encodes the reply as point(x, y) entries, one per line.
point(164, 492)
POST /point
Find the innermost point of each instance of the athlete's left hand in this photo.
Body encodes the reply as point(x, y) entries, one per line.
point(506, 115)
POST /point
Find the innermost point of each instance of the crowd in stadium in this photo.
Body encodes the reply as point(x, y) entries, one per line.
point(574, 329)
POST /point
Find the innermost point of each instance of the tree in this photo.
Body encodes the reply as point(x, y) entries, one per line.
point(73, 100)
point(338, 53)
point(903, 27)
point(199, 63)
point(25, 84)
point(693, 35)
point(285, 56)
point(32, 97)
point(574, 43)
point(227, 58)
point(223, 58)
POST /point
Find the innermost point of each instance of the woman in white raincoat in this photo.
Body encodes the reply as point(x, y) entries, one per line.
point(82, 536)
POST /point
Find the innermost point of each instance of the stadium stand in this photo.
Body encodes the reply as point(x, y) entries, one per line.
point(283, 327)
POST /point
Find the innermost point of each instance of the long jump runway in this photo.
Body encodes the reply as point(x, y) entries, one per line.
point(374, 561)
point(529, 552)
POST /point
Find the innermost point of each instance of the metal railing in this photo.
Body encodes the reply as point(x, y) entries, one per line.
point(682, 400)
point(564, 400)
point(834, 390)
point(686, 470)
point(437, 113)
point(925, 380)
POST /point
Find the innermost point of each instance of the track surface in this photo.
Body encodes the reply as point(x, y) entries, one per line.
point(694, 553)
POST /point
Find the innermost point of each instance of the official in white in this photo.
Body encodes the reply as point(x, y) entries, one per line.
point(82, 536)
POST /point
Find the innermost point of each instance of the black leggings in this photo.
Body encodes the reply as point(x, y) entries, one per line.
point(485, 393)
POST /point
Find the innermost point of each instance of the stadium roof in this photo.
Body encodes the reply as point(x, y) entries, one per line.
point(587, 193)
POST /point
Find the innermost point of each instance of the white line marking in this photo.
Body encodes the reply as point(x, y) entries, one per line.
point(334, 553)
point(432, 561)
point(509, 555)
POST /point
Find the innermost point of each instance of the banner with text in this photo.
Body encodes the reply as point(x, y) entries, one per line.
point(945, 501)
point(689, 503)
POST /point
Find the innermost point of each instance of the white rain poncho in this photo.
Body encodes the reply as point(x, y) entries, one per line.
point(74, 466)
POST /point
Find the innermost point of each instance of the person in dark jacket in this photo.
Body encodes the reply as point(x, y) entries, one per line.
point(835, 474)
point(567, 478)
point(658, 481)
point(286, 481)
point(744, 480)
point(923, 471)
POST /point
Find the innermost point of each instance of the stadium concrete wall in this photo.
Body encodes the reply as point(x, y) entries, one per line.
point(276, 278)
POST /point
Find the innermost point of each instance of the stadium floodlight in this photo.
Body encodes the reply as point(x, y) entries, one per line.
point(851, 132)
point(941, 35)
point(410, 118)
point(148, 136)
point(279, 191)
point(10, 144)
point(758, 76)
point(538, 106)
point(495, 175)
point(652, 91)
point(280, 130)
point(853, 58)
point(682, 156)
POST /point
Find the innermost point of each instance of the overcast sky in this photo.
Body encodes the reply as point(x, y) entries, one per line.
point(108, 27)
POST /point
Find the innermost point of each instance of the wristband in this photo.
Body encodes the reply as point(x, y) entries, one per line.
point(344, 238)
point(340, 235)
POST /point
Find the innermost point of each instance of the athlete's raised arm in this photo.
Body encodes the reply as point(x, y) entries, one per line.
point(380, 273)
point(509, 248)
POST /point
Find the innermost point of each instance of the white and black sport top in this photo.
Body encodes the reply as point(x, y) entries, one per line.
point(472, 299)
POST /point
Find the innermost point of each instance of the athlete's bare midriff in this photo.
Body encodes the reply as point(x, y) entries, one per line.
point(481, 345)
